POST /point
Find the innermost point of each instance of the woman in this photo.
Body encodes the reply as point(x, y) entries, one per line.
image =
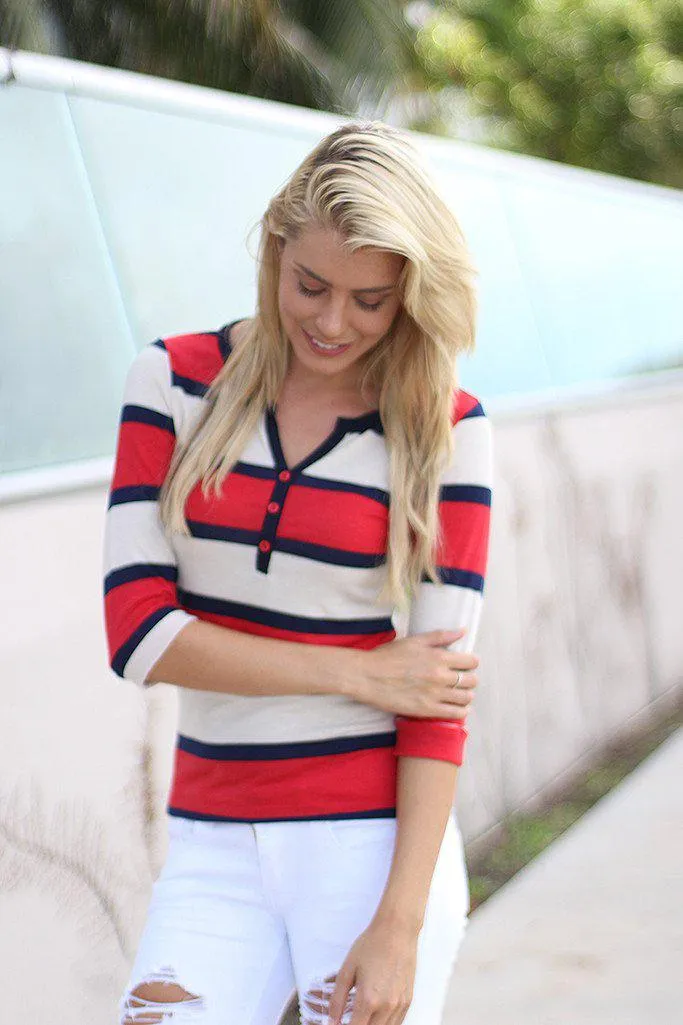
point(252, 562)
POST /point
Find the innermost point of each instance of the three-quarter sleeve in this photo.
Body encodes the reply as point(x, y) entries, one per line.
point(141, 609)
point(464, 514)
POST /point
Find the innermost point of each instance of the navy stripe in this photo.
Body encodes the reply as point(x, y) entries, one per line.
point(319, 483)
point(224, 344)
point(304, 549)
point(120, 659)
point(224, 334)
point(377, 494)
point(143, 415)
point(358, 424)
point(275, 751)
point(254, 470)
point(189, 385)
point(466, 493)
point(139, 571)
point(281, 620)
point(197, 816)
point(213, 532)
point(160, 344)
point(134, 493)
point(460, 578)
point(343, 426)
point(274, 440)
point(335, 556)
point(474, 411)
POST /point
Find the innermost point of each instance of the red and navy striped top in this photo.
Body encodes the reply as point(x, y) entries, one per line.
point(291, 552)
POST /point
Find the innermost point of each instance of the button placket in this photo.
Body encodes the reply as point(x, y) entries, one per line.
point(272, 519)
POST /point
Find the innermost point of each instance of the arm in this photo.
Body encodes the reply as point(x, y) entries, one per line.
point(152, 638)
point(382, 961)
point(430, 751)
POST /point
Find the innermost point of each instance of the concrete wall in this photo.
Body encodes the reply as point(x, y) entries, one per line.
point(581, 635)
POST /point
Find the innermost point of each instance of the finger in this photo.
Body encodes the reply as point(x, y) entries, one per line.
point(455, 696)
point(341, 994)
point(462, 660)
point(399, 1016)
point(361, 1015)
point(442, 638)
point(467, 681)
point(365, 1014)
point(448, 711)
point(459, 694)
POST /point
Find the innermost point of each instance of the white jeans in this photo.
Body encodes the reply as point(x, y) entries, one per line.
point(242, 915)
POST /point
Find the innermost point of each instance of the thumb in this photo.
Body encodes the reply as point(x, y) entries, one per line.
point(340, 996)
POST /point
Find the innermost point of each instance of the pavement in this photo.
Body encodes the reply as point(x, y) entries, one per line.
point(591, 931)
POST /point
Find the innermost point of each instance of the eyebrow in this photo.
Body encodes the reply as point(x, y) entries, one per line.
point(378, 288)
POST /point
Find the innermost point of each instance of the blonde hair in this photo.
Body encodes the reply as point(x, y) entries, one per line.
point(366, 182)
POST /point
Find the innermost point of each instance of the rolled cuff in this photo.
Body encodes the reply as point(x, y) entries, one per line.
point(154, 644)
point(443, 739)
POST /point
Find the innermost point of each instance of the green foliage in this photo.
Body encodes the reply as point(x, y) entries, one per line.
point(329, 55)
point(596, 83)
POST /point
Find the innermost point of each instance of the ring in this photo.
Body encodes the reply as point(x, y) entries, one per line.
point(458, 678)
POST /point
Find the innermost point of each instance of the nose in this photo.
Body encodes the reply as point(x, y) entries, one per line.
point(331, 319)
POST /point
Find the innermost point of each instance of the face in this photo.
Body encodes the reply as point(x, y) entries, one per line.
point(335, 305)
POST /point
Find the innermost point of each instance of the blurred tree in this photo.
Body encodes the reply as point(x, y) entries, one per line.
point(330, 54)
point(596, 83)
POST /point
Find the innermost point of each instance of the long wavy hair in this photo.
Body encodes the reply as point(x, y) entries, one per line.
point(367, 183)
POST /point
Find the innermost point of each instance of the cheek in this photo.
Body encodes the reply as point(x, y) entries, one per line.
point(292, 305)
point(381, 322)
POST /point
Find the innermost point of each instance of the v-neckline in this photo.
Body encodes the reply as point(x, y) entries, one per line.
point(343, 425)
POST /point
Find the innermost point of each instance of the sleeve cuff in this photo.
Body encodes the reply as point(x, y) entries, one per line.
point(154, 644)
point(442, 739)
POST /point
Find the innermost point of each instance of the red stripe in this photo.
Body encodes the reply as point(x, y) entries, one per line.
point(337, 519)
point(464, 402)
point(128, 605)
point(465, 531)
point(443, 739)
point(196, 356)
point(285, 788)
point(143, 455)
point(365, 642)
point(242, 503)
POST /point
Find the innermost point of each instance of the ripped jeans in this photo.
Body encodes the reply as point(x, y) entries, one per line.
point(244, 915)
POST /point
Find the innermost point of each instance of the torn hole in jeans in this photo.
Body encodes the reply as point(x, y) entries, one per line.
point(314, 1006)
point(140, 1010)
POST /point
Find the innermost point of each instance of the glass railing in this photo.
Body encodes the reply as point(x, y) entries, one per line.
point(125, 207)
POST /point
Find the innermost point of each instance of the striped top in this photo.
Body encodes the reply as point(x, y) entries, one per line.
point(291, 552)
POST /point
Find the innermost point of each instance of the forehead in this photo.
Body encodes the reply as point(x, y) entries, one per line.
point(322, 250)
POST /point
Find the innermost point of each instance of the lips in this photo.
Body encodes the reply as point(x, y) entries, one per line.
point(323, 348)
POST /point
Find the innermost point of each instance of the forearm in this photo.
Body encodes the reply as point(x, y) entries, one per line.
point(204, 656)
point(424, 799)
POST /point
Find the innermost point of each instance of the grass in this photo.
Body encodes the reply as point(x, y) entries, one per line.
point(523, 836)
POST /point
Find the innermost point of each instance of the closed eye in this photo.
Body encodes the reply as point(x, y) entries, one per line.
point(310, 292)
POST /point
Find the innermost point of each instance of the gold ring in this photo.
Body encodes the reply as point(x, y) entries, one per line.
point(458, 678)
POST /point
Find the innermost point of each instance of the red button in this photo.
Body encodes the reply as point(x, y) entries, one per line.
point(284, 475)
point(264, 546)
point(273, 507)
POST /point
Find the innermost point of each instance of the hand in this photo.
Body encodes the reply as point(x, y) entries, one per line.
point(381, 969)
point(415, 676)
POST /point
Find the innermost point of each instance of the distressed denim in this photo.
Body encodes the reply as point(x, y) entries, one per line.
point(243, 915)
